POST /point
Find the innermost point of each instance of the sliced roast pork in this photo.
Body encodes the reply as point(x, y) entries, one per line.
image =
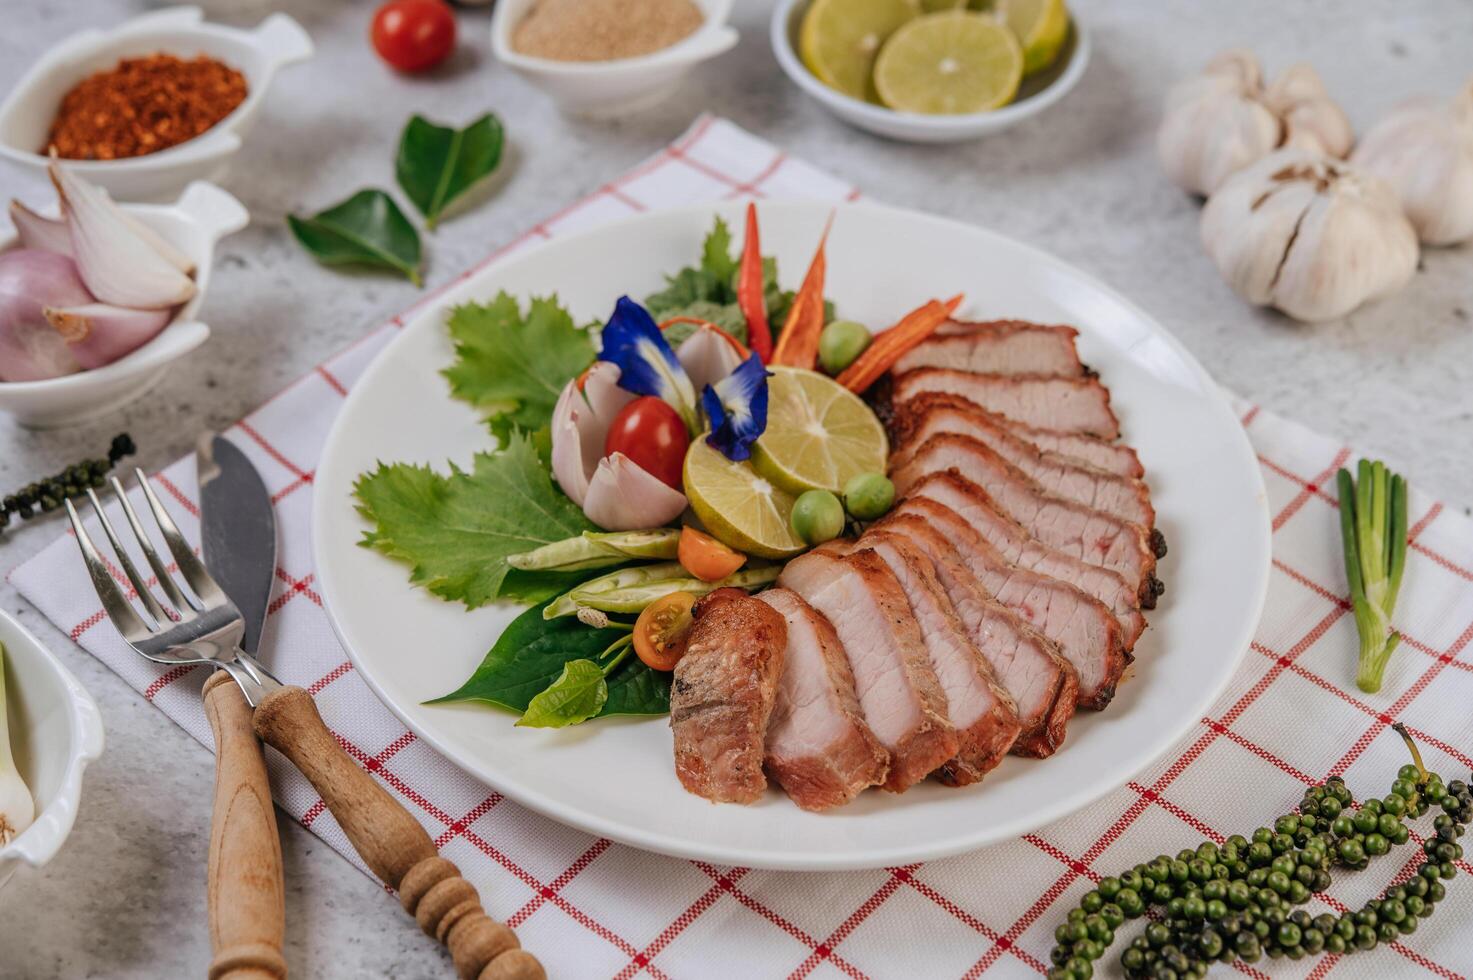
point(1041, 683)
point(1079, 405)
point(984, 715)
point(1073, 528)
point(1019, 548)
point(1086, 633)
point(1125, 497)
point(722, 696)
point(819, 748)
point(898, 691)
point(925, 415)
point(998, 347)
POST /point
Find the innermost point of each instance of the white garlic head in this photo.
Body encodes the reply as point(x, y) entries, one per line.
point(1224, 119)
point(1424, 149)
point(1309, 234)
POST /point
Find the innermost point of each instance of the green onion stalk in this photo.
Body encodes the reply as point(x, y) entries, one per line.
point(1373, 527)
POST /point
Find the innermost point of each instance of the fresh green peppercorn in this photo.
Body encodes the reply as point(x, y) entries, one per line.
point(817, 517)
point(840, 343)
point(869, 496)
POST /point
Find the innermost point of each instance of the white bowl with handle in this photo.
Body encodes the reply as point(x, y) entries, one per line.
point(27, 112)
point(1036, 94)
point(194, 224)
point(602, 89)
point(55, 731)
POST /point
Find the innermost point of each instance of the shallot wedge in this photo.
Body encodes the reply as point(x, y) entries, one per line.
point(40, 232)
point(98, 334)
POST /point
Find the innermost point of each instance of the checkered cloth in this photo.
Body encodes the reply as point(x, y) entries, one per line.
point(587, 907)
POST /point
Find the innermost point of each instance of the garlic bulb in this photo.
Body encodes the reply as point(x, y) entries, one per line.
point(1224, 119)
point(1309, 234)
point(1424, 149)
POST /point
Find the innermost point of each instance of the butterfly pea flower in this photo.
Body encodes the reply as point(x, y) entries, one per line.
point(647, 366)
point(736, 407)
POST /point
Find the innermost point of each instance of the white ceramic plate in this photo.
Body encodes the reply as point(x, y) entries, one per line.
point(616, 778)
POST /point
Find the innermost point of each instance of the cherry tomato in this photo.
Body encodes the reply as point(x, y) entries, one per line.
point(706, 558)
point(651, 434)
point(661, 632)
point(413, 35)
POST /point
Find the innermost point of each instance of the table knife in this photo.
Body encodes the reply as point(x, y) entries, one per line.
point(247, 907)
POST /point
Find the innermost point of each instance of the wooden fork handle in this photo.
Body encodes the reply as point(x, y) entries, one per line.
point(246, 896)
point(393, 844)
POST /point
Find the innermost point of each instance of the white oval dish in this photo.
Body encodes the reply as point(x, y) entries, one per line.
point(601, 89)
point(195, 223)
point(616, 777)
point(258, 54)
point(55, 731)
point(1036, 94)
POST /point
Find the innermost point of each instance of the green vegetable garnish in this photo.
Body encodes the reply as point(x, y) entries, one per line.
point(513, 366)
point(600, 549)
point(437, 164)
point(456, 531)
point(630, 590)
point(531, 654)
point(366, 229)
point(1373, 527)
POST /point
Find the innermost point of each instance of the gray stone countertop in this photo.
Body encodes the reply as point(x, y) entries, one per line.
point(125, 896)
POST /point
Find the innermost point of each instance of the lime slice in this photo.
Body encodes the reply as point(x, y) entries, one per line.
point(840, 38)
point(1041, 26)
point(738, 507)
point(949, 63)
point(819, 434)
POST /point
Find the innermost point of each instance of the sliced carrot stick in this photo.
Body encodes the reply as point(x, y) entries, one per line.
point(749, 290)
point(736, 345)
point(797, 346)
point(888, 347)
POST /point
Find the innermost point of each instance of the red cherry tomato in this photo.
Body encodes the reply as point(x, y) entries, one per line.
point(651, 434)
point(413, 35)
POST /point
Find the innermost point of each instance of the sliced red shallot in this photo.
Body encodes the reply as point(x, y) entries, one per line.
point(100, 333)
point(30, 280)
point(40, 232)
point(623, 496)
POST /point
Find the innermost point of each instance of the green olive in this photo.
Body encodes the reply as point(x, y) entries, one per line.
point(868, 496)
point(817, 517)
point(840, 343)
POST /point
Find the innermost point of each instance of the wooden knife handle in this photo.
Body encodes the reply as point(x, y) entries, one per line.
point(393, 844)
point(247, 900)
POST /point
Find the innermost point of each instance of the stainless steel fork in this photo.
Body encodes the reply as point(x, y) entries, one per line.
point(199, 627)
point(202, 626)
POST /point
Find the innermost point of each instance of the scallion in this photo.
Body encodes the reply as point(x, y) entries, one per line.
point(1373, 527)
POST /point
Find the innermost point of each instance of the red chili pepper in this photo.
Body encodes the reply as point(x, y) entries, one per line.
point(749, 291)
point(797, 346)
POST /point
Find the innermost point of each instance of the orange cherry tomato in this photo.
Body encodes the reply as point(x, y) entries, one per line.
point(706, 558)
point(661, 632)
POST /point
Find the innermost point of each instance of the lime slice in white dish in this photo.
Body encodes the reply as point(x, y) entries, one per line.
point(949, 64)
point(839, 40)
point(1041, 26)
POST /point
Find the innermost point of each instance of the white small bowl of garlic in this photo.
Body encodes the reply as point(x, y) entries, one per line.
point(50, 729)
point(90, 323)
point(568, 52)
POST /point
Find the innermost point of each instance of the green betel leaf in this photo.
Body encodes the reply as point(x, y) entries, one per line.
point(717, 260)
point(456, 531)
point(513, 368)
point(531, 653)
point(578, 694)
point(437, 164)
point(366, 229)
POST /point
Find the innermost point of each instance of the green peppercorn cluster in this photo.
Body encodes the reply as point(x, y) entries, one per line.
point(44, 496)
point(1236, 901)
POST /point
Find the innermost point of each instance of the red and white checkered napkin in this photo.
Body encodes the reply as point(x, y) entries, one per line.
point(591, 908)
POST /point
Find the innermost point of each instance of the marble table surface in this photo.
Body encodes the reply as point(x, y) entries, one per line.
point(125, 898)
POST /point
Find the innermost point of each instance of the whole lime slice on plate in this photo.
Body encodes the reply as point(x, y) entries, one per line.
point(819, 434)
point(948, 64)
point(741, 509)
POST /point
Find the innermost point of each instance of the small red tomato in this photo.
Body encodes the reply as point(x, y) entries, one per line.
point(706, 558)
point(651, 434)
point(413, 35)
point(662, 630)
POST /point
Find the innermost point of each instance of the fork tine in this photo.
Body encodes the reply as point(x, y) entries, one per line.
point(144, 595)
point(190, 567)
point(182, 603)
point(118, 609)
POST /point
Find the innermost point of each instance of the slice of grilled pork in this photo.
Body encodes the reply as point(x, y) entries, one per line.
point(998, 347)
point(819, 748)
point(1065, 404)
point(722, 696)
point(898, 691)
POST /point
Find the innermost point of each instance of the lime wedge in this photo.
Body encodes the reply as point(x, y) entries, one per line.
point(1041, 26)
point(819, 434)
point(839, 39)
point(738, 507)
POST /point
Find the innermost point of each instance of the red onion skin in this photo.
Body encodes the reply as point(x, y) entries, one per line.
point(99, 334)
point(30, 348)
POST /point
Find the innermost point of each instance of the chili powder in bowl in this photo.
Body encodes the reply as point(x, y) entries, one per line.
point(144, 108)
point(143, 105)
